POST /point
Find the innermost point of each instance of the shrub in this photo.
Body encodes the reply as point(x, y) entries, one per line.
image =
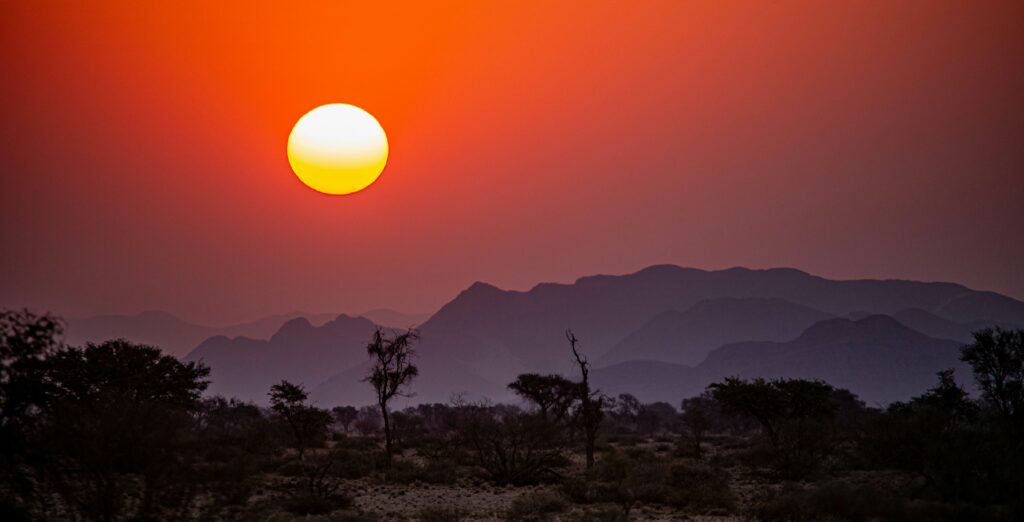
point(352, 516)
point(354, 464)
point(700, 487)
point(440, 514)
point(512, 447)
point(846, 502)
point(432, 472)
point(621, 478)
point(536, 506)
point(315, 505)
point(598, 513)
point(629, 441)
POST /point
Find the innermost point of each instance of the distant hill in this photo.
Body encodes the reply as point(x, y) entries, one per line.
point(876, 357)
point(687, 337)
point(672, 316)
point(393, 318)
point(935, 326)
point(525, 330)
point(299, 352)
point(173, 335)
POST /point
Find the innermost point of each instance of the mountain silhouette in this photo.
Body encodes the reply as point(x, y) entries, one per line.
point(479, 341)
point(876, 357)
point(935, 326)
point(513, 330)
point(298, 352)
point(687, 337)
point(393, 318)
point(173, 335)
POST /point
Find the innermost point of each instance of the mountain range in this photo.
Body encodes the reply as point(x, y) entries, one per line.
point(179, 337)
point(662, 333)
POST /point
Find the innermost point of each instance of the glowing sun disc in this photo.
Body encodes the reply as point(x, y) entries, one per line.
point(337, 149)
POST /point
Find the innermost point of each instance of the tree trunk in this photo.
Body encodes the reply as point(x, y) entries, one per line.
point(387, 432)
point(590, 451)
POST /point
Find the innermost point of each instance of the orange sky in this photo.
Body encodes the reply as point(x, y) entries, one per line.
point(144, 148)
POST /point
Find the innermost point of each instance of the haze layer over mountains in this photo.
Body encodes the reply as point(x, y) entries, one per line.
point(662, 333)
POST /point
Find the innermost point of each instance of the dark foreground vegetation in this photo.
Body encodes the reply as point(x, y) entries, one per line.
point(118, 431)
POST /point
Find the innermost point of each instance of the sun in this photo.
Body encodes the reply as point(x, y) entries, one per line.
point(337, 149)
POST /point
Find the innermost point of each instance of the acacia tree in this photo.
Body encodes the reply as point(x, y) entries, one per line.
point(119, 416)
point(25, 339)
point(306, 422)
point(591, 409)
point(797, 416)
point(553, 394)
point(997, 358)
point(698, 416)
point(391, 374)
point(345, 415)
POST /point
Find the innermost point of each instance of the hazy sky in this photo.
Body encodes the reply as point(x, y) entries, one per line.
point(144, 160)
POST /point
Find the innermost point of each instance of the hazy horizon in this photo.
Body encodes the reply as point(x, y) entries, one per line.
point(200, 321)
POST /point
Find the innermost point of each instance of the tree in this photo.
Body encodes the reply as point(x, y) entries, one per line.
point(553, 394)
point(997, 358)
point(698, 417)
point(306, 422)
point(237, 441)
point(654, 417)
point(345, 415)
point(511, 446)
point(368, 421)
point(591, 403)
point(391, 374)
point(797, 417)
point(25, 340)
point(937, 436)
point(117, 427)
point(626, 409)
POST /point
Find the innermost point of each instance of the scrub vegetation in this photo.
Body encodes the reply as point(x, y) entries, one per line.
point(120, 431)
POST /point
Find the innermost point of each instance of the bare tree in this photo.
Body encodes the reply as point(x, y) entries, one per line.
point(391, 374)
point(591, 409)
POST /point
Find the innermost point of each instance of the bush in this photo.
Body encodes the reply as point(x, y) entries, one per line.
point(315, 505)
point(352, 516)
point(700, 488)
point(440, 514)
point(628, 441)
point(840, 501)
point(537, 506)
point(621, 478)
point(512, 447)
point(355, 464)
point(598, 513)
point(432, 472)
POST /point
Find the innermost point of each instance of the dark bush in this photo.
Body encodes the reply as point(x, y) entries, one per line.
point(430, 472)
point(536, 506)
point(314, 505)
point(623, 479)
point(511, 446)
point(440, 514)
point(597, 513)
point(701, 488)
point(840, 501)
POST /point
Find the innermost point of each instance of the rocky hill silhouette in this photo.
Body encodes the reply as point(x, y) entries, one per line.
point(667, 315)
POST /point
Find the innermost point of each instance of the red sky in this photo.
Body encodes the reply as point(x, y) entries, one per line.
point(144, 160)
